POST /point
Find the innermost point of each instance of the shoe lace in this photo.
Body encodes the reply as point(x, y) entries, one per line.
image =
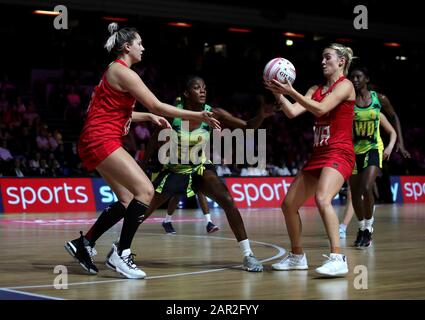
point(328, 259)
point(92, 251)
point(253, 262)
point(89, 251)
point(288, 257)
point(129, 261)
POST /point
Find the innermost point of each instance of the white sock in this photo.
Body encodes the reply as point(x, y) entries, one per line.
point(368, 223)
point(343, 226)
point(168, 218)
point(245, 247)
point(208, 217)
point(362, 225)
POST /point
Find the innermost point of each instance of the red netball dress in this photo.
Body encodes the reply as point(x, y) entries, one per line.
point(108, 120)
point(333, 136)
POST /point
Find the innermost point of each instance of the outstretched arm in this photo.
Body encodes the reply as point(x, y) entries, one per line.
point(132, 83)
point(395, 121)
point(145, 116)
point(393, 135)
point(292, 110)
point(231, 121)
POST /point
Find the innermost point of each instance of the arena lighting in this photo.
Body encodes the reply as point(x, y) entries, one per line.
point(392, 44)
point(289, 42)
point(46, 13)
point(293, 35)
point(116, 19)
point(344, 40)
point(179, 24)
point(403, 58)
point(318, 38)
point(240, 30)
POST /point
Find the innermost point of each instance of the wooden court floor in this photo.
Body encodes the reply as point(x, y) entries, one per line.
point(195, 265)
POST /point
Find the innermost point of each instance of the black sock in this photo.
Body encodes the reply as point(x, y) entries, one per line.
point(133, 218)
point(108, 218)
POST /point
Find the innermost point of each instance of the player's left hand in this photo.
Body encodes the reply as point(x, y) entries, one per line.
point(400, 148)
point(278, 87)
point(160, 121)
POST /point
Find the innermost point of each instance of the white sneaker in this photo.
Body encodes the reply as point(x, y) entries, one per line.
point(124, 264)
point(342, 232)
point(336, 265)
point(292, 262)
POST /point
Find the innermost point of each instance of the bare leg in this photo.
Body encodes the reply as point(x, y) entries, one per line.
point(330, 183)
point(214, 188)
point(349, 209)
point(369, 177)
point(356, 194)
point(172, 205)
point(302, 188)
point(121, 168)
point(203, 203)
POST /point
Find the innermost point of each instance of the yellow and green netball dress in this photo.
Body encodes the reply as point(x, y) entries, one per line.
point(182, 178)
point(368, 144)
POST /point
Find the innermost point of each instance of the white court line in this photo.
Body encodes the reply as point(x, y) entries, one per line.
point(30, 294)
point(281, 252)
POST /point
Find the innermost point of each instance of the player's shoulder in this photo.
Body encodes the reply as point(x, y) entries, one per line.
point(120, 71)
point(347, 82)
point(381, 96)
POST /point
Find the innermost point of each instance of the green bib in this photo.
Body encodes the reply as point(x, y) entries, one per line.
point(190, 151)
point(366, 126)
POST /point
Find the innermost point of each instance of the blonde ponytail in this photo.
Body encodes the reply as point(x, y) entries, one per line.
point(110, 43)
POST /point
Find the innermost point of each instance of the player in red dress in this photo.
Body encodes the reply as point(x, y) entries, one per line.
point(332, 159)
point(109, 116)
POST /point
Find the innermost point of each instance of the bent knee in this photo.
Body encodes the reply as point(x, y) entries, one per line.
point(149, 192)
point(287, 207)
point(125, 201)
point(322, 200)
point(145, 194)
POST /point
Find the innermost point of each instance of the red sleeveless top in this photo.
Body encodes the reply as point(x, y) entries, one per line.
point(108, 120)
point(108, 114)
point(333, 136)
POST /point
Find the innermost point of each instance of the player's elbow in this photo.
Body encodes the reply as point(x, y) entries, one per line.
point(291, 115)
point(319, 113)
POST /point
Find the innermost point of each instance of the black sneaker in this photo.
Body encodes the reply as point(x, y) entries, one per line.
point(82, 252)
point(367, 239)
point(359, 238)
point(211, 227)
point(168, 227)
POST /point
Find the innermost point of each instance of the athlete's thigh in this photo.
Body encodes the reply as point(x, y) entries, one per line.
point(330, 182)
point(122, 193)
point(369, 175)
point(356, 183)
point(211, 186)
point(302, 188)
point(123, 169)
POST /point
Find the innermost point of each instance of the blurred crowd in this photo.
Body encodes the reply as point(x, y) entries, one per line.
point(32, 145)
